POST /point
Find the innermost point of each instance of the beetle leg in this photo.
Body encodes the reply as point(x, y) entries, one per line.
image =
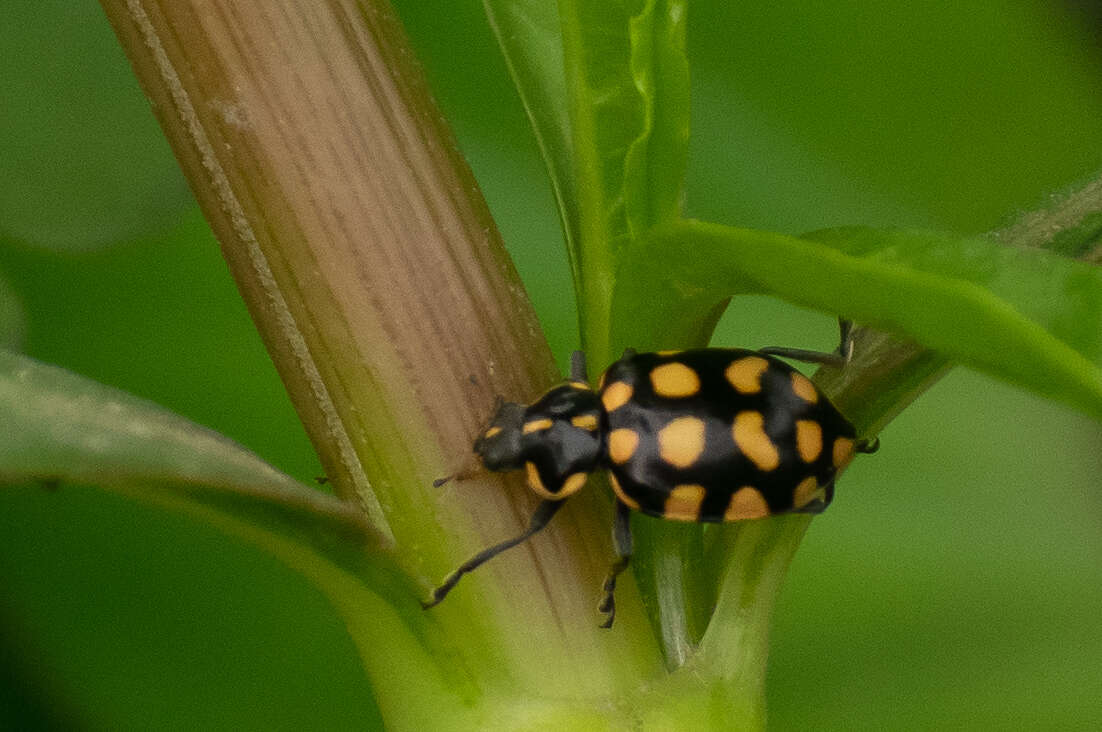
point(820, 504)
point(621, 539)
point(577, 367)
point(838, 358)
point(868, 446)
point(845, 339)
point(542, 516)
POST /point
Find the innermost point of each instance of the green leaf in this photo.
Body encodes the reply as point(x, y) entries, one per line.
point(528, 33)
point(12, 317)
point(1030, 317)
point(606, 88)
point(59, 427)
point(655, 165)
point(62, 428)
point(608, 116)
point(1060, 294)
point(619, 57)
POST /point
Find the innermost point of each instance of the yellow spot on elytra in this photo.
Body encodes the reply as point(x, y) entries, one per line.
point(843, 452)
point(495, 430)
point(803, 388)
point(749, 434)
point(536, 425)
point(745, 374)
point(683, 503)
point(621, 444)
point(624, 497)
point(580, 385)
point(809, 439)
point(806, 492)
point(674, 380)
point(616, 395)
point(668, 353)
point(681, 442)
point(746, 503)
point(573, 484)
point(585, 421)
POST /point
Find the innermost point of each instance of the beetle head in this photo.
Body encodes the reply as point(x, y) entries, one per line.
point(499, 445)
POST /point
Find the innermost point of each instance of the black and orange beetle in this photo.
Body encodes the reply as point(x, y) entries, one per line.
point(710, 434)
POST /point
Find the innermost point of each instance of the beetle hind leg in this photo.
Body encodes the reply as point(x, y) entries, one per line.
point(868, 446)
point(837, 358)
point(820, 502)
point(621, 539)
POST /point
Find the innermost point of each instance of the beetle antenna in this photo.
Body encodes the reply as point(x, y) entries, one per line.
point(464, 474)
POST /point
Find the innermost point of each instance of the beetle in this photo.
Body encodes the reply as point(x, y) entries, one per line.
point(708, 434)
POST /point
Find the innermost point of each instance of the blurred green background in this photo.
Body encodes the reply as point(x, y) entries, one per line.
point(956, 582)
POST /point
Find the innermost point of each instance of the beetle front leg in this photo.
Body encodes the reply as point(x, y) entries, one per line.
point(542, 516)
